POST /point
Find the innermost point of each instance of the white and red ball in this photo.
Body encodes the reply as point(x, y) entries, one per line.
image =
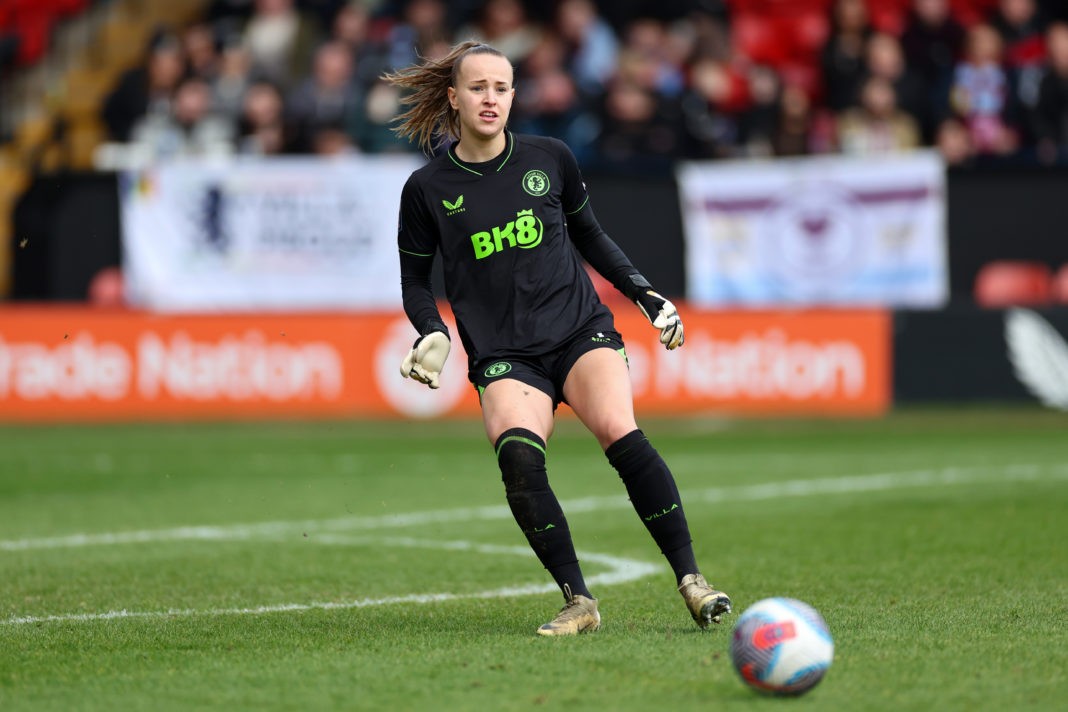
point(781, 646)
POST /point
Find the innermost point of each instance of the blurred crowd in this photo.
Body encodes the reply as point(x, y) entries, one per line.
point(630, 85)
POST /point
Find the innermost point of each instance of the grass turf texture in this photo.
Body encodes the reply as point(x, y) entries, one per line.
point(933, 542)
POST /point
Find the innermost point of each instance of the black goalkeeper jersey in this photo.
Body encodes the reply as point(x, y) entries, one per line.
point(514, 278)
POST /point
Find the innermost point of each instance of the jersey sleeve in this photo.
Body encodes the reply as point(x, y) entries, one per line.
point(591, 240)
point(416, 233)
point(574, 196)
point(417, 242)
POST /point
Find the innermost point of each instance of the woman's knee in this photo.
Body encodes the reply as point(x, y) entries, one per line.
point(510, 404)
point(612, 431)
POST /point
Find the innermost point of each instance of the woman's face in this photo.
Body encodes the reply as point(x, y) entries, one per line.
point(483, 96)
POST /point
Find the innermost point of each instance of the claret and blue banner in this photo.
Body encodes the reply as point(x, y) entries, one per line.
point(816, 231)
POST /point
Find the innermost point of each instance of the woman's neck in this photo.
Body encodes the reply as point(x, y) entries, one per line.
point(476, 151)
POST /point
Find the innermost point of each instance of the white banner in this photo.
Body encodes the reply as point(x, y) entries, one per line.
point(264, 234)
point(829, 231)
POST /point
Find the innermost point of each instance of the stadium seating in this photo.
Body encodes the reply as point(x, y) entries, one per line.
point(786, 19)
point(106, 289)
point(1005, 283)
point(789, 34)
point(13, 181)
point(32, 21)
point(1060, 285)
point(118, 43)
point(58, 125)
point(968, 12)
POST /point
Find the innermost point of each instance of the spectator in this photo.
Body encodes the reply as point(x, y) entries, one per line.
point(681, 46)
point(421, 33)
point(646, 54)
point(637, 135)
point(262, 126)
point(672, 56)
point(324, 12)
point(503, 24)
point(878, 125)
point(980, 94)
point(352, 27)
point(1050, 115)
point(551, 103)
point(842, 57)
point(326, 97)
point(144, 89)
point(757, 123)
point(422, 26)
point(280, 40)
point(954, 143)
point(370, 123)
point(711, 35)
point(550, 53)
point(332, 139)
point(885, 59)
point(932, 41)
point(592, 45)
point(9, 50)
point(201, 47)
point(232, 79)
point(189, 129)
point(710, 109)
point(793, 123)
point(1022, 29)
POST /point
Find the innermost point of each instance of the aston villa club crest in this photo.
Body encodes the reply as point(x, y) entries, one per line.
point(536, 183)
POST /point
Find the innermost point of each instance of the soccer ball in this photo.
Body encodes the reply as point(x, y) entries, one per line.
point(781, 646)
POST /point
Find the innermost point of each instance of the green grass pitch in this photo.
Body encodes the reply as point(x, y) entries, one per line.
point(355, 565)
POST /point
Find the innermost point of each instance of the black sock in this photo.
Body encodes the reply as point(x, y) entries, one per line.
point(655, 497)
point(521, 456)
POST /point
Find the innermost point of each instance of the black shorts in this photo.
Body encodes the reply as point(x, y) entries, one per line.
point(548, 372)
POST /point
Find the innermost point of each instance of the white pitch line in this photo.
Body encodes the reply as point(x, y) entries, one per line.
point(771, 490)
point(620, 570)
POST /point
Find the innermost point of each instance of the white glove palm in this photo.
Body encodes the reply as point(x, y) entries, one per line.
point(426, 359)
point(662, 314)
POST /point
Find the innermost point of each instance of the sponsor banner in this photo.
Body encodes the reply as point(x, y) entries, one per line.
point(70, 364)
point(972, 354)
point(764, 363)
point(81, 364)
point(280, 234)
point(822, 231)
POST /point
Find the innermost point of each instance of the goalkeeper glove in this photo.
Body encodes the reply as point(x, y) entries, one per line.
point(426, 359)
point(660, 312)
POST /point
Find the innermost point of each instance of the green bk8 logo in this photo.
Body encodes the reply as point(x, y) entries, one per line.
point(523, 232)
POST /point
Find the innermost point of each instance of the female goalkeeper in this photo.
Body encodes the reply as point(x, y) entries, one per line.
point(509, 217)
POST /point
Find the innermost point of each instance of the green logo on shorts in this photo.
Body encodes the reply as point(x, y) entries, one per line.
point(536, 182)
point(498, 369)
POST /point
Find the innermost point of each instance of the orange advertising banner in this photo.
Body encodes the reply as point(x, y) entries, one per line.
point(74, 364)
point(764, 363)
